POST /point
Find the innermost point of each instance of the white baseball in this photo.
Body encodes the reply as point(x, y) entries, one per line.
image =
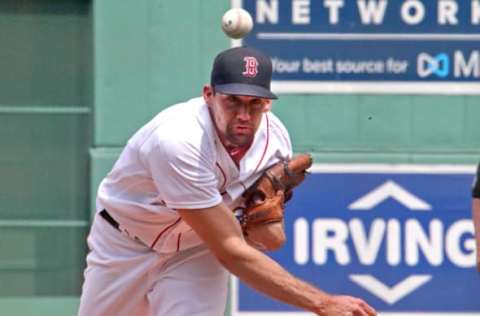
point(237, 23)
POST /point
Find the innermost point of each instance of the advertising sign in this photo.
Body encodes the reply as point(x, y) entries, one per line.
point(400, 237)
point(381, 46)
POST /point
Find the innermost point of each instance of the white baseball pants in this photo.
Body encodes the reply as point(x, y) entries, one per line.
point(125, 278)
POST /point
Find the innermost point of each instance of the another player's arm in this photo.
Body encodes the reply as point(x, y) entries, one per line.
point(476, 222)
point(476, 213)
point(221, 232)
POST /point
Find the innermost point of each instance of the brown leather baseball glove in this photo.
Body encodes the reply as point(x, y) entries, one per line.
point(264, 200)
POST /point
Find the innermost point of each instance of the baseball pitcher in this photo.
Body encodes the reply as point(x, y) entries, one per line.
point(198, 192)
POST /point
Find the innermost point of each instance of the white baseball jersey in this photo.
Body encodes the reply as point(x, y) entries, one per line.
point(176, 161)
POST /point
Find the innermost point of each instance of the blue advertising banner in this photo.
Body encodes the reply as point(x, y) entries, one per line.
point(383, 46)
point(400, 237)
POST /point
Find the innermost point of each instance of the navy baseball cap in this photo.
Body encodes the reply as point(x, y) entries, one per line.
point(242, 71)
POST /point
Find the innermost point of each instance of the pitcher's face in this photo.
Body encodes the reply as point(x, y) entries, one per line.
point(236, 117)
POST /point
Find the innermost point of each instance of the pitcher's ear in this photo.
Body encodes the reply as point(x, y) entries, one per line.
point(208, 94)
point(268, 105)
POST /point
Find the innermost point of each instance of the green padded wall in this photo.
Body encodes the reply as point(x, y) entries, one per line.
point(148, 55)
point(45, 130)
point(384, 128)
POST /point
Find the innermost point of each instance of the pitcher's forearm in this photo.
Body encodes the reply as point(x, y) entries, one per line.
point(221, 232)
point(274, 281)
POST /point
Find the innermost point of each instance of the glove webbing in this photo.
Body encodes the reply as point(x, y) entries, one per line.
point(278, 183)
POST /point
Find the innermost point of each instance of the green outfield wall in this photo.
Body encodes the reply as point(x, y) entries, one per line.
point(78, 77)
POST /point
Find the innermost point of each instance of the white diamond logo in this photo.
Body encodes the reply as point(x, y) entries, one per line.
point(390, 189)
point(392, 294)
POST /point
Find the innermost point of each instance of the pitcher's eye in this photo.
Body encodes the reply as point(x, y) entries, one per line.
point(231, 101)
point(256, 105)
